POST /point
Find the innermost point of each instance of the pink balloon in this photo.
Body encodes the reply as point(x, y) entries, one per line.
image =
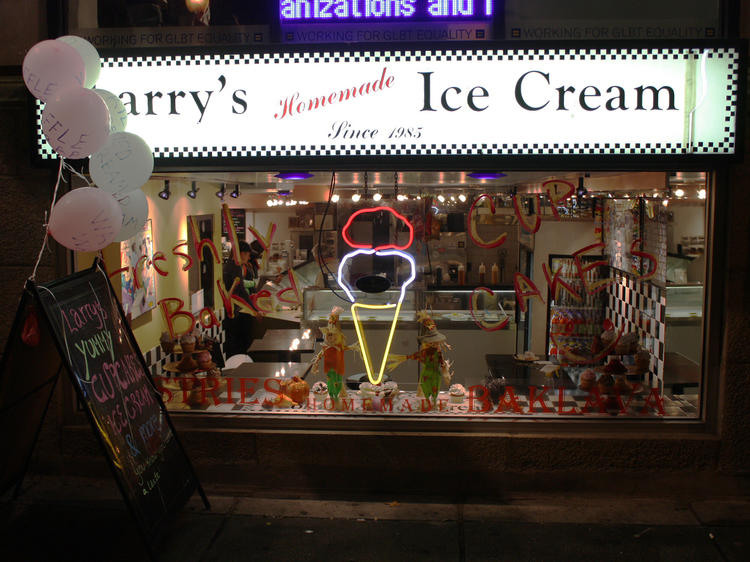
point(86, 219)
point(52, 66)
point(76, 122)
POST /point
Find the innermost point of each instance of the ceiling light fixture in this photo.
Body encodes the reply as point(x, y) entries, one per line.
point(222, 191)
point(377, 196)
point(679, 192)
point(441, 198)
point(462, 198)
point(335, 198)
point(193, 191)
point(235, 192)
point(293, 175)
point(164, 193)
point(486, 175)
point(701, 194)
point(356, 197)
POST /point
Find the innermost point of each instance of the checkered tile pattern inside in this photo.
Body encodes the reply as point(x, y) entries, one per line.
point(156, 358)
point(725, 146)
point(640, 307)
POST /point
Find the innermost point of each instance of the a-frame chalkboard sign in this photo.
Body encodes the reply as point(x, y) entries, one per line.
point(77, 324)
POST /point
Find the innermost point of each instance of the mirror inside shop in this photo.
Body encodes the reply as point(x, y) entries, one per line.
point(447, 295)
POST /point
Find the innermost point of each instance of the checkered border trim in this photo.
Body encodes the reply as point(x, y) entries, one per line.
point(156, 359)
point(640, 307)
point(726, 146)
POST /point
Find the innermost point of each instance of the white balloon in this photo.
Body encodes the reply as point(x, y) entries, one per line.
point(134, 207)
point(118, 115)
point(88, 53)
point(76, 122)
point(52, 66)
point(86, 219)
point(122, 165)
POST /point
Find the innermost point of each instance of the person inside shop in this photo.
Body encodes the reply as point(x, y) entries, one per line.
point(241, 279)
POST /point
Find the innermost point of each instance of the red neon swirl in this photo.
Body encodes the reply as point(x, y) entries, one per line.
point(345, 230)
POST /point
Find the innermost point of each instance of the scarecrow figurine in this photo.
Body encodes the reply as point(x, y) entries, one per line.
point(332, 353)
point(435, 368)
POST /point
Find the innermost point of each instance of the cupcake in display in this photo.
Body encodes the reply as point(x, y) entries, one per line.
point(615, 367)
point(606, 384)
point(187, 342)
point(166, 342)
point(367, 393)
point(389, 390)
point(607, 337)
point(457, 393)
point(496, 389)
point(588, 380)
point(642, 360)
point(204, 360)
point(627, 344)
point(320, 391)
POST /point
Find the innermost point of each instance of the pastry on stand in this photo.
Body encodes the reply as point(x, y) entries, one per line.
point(195, 373)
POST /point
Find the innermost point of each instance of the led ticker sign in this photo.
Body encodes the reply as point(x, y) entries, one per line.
point(330, 11)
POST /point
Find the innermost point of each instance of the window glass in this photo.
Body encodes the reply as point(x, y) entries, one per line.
point(540, 296)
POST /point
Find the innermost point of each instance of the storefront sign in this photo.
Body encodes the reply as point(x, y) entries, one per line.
point(346, 107)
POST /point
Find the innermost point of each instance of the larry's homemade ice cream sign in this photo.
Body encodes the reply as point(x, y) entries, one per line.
point(347, 104)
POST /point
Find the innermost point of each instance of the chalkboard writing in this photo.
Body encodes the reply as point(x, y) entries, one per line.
point(124, 406)
point(29, 369)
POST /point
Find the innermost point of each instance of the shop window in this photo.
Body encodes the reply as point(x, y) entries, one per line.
point(567, 298)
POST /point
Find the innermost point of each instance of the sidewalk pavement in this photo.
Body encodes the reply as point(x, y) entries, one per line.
point(64, 519)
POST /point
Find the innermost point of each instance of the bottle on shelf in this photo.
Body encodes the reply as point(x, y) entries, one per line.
point(495, 273)
point(482, 273)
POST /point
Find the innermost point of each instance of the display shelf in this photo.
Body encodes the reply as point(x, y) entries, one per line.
point(572, 321)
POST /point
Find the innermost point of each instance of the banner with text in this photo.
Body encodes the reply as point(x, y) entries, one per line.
point(292, 105)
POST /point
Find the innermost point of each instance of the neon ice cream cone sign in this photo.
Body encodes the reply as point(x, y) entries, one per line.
point(380, 251)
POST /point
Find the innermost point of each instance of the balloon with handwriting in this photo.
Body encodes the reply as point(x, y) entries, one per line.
point(86, 219)
point(118, 115)
point(134, 207)
point(88, 53)
point(122, 165)
point(76, 122)
point(52, 66)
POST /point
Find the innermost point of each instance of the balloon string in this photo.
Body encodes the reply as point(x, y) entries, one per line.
point(76, 172)
point(46, 225)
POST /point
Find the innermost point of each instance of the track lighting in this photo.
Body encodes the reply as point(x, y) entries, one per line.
point(356, 197)
point(222, 191)
point(377, 196)
point(193, 191)
point(164, 193)
point(236, 192)
point(335, 198)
